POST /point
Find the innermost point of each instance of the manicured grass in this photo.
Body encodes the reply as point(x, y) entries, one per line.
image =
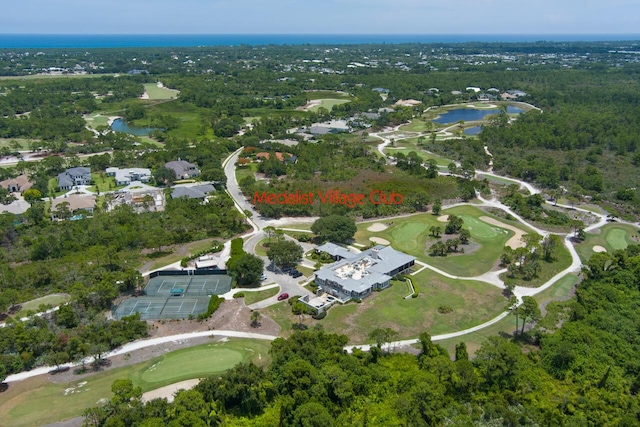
point(53, 184)
point(97, 120)
point(411, 235)
point(156, 92)
point(22, 143)
point(150, 141)
point(298, 226)
point(53, 300)
point(103, 183)
point(410, 145)
point(190, 248)
point(558, 290)
point(473, 303)
point(474, 340)
point(281, 314)
point(37, 401)
point(611, 237)
point(261, 249)
point(417, 125)
point(326, 94)
point(305, 270)
point(547, 269)
point(254, 297)
point(248, 170)
point(497, 180)
point(328, 104)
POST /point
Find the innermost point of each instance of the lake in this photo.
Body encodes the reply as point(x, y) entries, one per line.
point(473, 130)
point(471, 114)
point(119, 125)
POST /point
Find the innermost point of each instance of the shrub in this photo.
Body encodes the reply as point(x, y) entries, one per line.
point(214, 304)
point(239, 295)
point(444, 309)
point(320, 316)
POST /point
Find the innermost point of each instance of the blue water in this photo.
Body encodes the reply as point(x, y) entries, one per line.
point(474, 130)
point(191, 40)
point(470, 114)
point(119, 125)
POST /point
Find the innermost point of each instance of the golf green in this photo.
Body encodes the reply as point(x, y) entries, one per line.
point(480, 229)
point(202, 361)
point(406, 235)
point(617, 238)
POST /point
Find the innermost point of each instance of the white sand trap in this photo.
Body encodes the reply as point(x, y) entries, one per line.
point(443, 218)
point(169, 390)
point(514, 242)
point(599, 249)
point(377, 226)
point(380, 240)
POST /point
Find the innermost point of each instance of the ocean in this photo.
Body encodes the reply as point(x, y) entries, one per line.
point(33, 41)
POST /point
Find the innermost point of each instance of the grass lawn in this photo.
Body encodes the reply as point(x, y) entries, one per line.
point(53, 184)
point(254, 297)
point(473, 303)
point(189, 248)
point(547, 270)
point(156, 92)
point(37, 401)
point(281, 314)
point(411, 235)
point(326, 94)
point(328, 104)
point(417, 125)
point(497, 180)
point(611, 237)
point(261, 249)
point(104, 183)
point(245, 171)
point(23, 144)
point(474, 340)
point(409, 145)
point(298, 226)
point(97, 120)
point(559, 290)
point(150, 141)
point(33, 305)
point(305, 270)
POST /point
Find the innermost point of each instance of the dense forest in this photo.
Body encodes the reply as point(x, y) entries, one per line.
point(582, 373)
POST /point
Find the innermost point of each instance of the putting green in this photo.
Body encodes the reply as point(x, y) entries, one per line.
point(480, 229)
point(202, 361)
point(406, 235)
point(617, 238)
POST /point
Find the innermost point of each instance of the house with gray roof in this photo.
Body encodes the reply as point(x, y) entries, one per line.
point(126, 176)
point(336, 252)
point(183, 169)
point(358, 275)
point(73, 177)
point(192, 192)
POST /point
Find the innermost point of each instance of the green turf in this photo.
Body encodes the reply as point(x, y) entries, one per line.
point(97, 120)
point(474, 340)
point(326, 94)
point(559, 290)
point(481, 229)
point(254, 297)
point(547, 269)
point(417, 125)
point(620, 235)
point(156, 92)
point(21, 143)
point(195, 363)
point(37, 402)
point(328, 104)
point(103, 183)
point(33, 305)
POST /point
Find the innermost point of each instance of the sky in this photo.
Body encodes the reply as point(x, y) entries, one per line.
point(320, 17)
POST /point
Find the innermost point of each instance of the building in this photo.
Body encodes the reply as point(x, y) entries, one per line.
point(332, 126)
point(357, 276)
point(126, 176)
point(192, 192)
point(144, 199)
point(334, 251)
point(74, 176)
point(183, 169)
point(77, 204)
point(17, 185)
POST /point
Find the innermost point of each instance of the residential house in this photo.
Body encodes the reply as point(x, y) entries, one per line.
point(192, 192)
point(126, 176)
point(18, 184)
point(183, 169)
point(146, 199)
point(332, 126)
point(357, 276)
point(73, 177)
point(77, 204)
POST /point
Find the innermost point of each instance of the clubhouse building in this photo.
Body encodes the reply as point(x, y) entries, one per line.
point(356, 276)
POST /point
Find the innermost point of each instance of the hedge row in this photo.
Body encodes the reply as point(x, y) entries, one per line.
point(217, 247)
point(214, 303)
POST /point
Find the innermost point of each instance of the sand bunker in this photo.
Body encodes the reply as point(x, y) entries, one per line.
point(514, 242)
point(169, 390)
point(443, 218)
point(377, 226)
point(380, 240)
point(598, 248)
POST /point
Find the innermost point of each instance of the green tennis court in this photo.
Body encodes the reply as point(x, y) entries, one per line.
point(217, 284)
point(162, 307)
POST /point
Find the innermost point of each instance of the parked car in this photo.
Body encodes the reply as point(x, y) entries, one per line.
point(295, 273)
point(263, 277)
point(283, 296)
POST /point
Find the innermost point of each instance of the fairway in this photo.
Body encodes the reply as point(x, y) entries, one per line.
point(156, 92)
point(33, 305)
point(328, 104)
point(405, 236)
point(37, 401)
point(197, 362)
point(612, 237)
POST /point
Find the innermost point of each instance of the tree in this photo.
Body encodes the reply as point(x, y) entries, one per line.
point(529, 310)
point(3, 373)
point(32, 195)
point(454, 225)
point(461, 351)
point(255, 318)
point(334, 228)
point(164, 175)
point(382, 336)
point(247, 270)
point(285, 253)
point(435, 230)
point(437, 207)
point(270, 231)
point(464, 236)
point(549, 246)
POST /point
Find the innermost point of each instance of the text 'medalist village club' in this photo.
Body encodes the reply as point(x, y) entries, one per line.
point(333, 197)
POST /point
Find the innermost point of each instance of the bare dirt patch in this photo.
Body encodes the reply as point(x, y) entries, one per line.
point(380, 240)
point(443, 218)
point(514, 242)
point(310, 105)
point(377, 226)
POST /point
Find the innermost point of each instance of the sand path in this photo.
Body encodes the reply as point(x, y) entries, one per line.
point(169, 390)
point(514, 242)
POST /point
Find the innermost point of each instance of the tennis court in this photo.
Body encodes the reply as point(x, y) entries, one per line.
point(162, 307)
point(189, 285)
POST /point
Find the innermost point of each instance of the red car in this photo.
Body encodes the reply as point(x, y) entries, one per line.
point(283, 296)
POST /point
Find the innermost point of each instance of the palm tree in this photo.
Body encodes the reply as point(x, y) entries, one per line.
point(435, 230)
point(255, 318)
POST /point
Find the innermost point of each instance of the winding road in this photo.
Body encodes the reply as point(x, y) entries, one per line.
point(287, 284)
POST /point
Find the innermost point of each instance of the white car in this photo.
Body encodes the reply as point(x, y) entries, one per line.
point(263, 277)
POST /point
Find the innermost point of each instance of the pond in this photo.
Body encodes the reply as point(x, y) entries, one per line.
point(119, 125)
point(474, 130)
point(471, 114)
